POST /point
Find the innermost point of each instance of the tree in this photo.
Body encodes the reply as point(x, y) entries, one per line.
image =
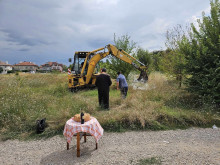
point(166, 61)
point(1, 69)
point(116, 64)
point(144, 57)
point(156, 57)
point(65, 68)
point(202, 50)
point(174, 61)
point(106, 65)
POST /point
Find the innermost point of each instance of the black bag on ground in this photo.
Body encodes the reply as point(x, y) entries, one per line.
point(41, 124)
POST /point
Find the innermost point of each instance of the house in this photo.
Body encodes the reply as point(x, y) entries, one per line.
point(5, 66)
point(49, 66)
point(25, 66)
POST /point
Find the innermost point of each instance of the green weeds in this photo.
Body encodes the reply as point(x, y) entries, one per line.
point(153, 160)
point(25, 98)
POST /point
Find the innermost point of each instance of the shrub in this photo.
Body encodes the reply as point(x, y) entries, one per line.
point(11, 71)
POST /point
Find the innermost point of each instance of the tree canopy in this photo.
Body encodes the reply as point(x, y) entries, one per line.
point(202, 53)
point(124, 42)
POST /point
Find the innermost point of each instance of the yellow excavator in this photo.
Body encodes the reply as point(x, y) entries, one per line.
point(84, 70)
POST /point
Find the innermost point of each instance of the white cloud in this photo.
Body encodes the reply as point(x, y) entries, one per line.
point(198, 16)
point(54, 29)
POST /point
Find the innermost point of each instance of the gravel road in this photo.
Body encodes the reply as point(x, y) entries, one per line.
point(191, 146)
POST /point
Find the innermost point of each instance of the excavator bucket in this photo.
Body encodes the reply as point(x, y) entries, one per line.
point(143, 76)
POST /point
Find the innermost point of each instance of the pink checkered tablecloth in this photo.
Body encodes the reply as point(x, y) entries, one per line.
point(92, 127)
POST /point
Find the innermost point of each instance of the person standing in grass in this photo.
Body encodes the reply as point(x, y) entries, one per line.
point(103, 82)
point(122, 85)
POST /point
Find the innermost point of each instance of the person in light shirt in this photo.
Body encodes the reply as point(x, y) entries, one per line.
point(122, 85)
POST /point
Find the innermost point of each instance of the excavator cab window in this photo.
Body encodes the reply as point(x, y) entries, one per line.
point(79, 59)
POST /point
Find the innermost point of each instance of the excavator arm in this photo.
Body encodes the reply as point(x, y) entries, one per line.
point(120, 54)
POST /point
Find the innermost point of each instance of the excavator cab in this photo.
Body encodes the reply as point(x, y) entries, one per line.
point(78, 63)
point(79, 71)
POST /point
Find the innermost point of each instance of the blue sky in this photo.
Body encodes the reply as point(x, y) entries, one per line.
point(52, 30)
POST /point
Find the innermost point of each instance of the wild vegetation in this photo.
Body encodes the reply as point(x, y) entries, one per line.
point(24, 98)
point(182, 91)
point(153, 160)
point(197, 52)
point(192, 55)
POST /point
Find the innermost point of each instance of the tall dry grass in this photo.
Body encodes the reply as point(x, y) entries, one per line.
point(158, 105)
point(28, 97)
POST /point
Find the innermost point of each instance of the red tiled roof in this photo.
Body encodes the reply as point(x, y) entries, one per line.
point(52, 63)
point(4, 64)
point(25, 64)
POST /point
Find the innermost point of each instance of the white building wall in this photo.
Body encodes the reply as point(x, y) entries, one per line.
point(5, 69)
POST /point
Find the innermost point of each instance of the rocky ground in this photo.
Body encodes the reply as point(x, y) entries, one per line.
point(191, 146)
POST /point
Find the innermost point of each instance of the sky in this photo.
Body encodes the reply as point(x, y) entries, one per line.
point(40, 31)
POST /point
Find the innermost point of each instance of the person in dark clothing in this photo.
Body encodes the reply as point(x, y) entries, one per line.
point(122, 85)
point(103, 82)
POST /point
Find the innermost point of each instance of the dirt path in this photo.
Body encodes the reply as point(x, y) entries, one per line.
point(192, 146)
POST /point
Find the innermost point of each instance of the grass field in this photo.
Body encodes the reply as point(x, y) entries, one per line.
point(24, 98)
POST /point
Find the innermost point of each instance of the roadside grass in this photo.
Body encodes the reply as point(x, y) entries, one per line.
point(152, 160)
point(25, 98)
